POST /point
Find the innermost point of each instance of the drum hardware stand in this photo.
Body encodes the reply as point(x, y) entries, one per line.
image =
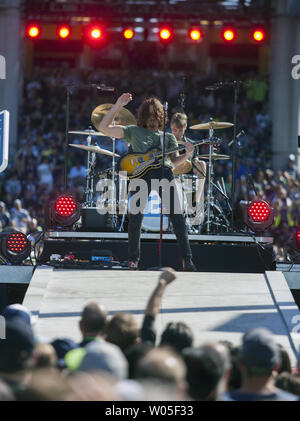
point(89, 191)
point(112, 218)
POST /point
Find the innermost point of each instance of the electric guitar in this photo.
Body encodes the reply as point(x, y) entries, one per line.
point(137, 164)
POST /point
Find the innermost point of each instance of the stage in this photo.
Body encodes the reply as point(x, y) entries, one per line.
point(217, 306)
point(226, 252)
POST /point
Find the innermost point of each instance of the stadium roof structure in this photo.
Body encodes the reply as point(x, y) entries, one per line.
point(171, 9)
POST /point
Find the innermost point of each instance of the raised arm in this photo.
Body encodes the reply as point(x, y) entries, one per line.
point(148, 332)
point(106, 125)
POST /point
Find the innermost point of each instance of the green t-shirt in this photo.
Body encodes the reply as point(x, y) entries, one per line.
point(143, 139)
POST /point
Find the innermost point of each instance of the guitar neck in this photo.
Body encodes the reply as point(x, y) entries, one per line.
point(169, 151)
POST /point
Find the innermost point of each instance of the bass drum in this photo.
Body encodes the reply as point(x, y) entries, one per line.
point(151, 221)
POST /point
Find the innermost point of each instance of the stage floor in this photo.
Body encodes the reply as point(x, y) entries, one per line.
point(217, 306)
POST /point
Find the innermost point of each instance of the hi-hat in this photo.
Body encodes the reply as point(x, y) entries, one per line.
point(124, 116)
point(214, 156)
point(87, 132)
point(215, 125)
point(95, 149)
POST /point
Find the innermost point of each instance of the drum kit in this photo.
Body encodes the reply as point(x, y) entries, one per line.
point(213, 218)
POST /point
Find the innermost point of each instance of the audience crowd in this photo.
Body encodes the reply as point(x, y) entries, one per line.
point(118, 360)
point(36, 174)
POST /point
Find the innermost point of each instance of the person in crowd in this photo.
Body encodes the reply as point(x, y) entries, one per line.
point(162, 372)
point(289, 382)
point(259, 361)
point(4, 216)
point(20, 216)
point(16, 354)
point(123, 330)
point(92, 324)
point(208, 369)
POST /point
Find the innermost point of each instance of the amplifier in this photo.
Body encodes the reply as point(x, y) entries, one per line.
point(94, 221)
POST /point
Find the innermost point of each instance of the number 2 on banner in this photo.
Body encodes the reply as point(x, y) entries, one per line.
point(4, 138)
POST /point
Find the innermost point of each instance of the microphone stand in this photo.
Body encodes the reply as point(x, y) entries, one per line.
point(235, 84)
point(68, 88)
point(234, 154)
point(165, 106)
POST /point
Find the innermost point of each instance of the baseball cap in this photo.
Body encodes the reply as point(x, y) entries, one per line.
point(18, 310)
point(292, 157)
point(98, 355)
point(259, 349)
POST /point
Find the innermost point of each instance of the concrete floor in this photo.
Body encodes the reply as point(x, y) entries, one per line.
point(217, 306)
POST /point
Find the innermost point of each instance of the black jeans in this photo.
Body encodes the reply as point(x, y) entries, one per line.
point(177, 219)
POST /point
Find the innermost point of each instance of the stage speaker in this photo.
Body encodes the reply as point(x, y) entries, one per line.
point(93, 221)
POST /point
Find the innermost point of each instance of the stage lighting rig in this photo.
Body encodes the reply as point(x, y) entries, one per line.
point(15, 247)
point(33, 31)
point(195, 34)
point(63, 31)
point(128, 33)
point(229, 34)
point(166, 33)
point(258, 35)
point(258, 215)
point(63, 212)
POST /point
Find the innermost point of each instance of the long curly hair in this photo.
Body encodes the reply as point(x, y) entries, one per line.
point(143, 112)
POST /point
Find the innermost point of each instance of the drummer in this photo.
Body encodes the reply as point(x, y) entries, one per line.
point(195, 166)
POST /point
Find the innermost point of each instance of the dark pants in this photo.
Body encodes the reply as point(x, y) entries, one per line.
point(178, 220)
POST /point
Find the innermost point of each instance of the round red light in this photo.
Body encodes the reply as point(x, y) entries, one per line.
point(16, 243)
point(95, 33)
point(165, 34)
point(63, 32)
point(65, 206)
point(128, 33)
point(33, 31)
point(259, 211)
point(258, 35)
point(229, 35)
point(195, 34)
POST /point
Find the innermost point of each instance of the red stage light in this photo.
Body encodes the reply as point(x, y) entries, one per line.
point(229, 35)
point(258, 35)
point(195, 34)
point(96, 33)
point(33, 31)
point(65, 206)
point(63, 31)
point(16, 243)
point(297, 238)
point(128, 33)
point(165, 34)
point(259, 211)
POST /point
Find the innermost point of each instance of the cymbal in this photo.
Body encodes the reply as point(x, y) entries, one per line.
point(124, 116)
point(95, 149)
point(87, 132)
point(215, 125)
point(214, 156)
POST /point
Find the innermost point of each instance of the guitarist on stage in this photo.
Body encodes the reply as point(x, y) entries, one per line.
point(144, 136)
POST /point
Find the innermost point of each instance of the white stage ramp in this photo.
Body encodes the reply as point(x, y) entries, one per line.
point(217, 306)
